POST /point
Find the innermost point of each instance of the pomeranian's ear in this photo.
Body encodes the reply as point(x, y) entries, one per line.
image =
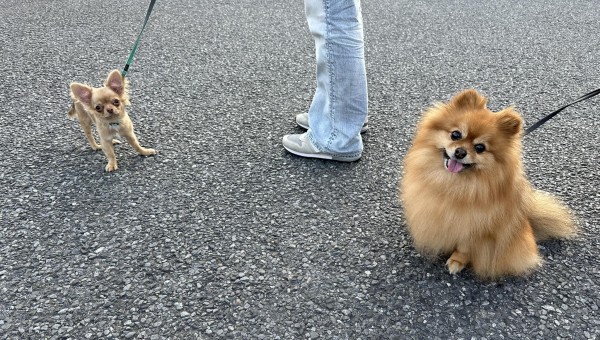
point(469, 99)
point(509, 121)
point(82, 93)
point(116, 82)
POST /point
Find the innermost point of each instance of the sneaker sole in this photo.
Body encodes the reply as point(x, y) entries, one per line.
point(362, 130)
point(322, 156)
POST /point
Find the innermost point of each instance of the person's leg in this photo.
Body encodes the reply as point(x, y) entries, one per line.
point(339, 107)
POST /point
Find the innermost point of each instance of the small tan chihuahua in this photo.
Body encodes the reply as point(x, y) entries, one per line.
point(105, 107)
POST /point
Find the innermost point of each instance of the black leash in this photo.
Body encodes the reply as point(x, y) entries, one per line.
point(549, 116)
point(137, 41)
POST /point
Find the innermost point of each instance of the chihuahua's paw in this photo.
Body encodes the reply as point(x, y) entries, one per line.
point(116, 141)
point(454, 266)
point(96, 147)
point(111, 167)
point(148, 152)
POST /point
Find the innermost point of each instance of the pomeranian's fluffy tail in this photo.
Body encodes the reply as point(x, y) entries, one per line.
point(550, 218)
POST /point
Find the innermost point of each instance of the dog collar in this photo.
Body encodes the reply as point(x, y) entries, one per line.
point(114, 125)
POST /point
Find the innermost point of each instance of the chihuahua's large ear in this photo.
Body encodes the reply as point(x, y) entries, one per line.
point(509, 121)
point(82, 93)
point(116, 82)
point(469, 99)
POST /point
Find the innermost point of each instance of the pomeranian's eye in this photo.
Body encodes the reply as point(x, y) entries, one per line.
point(479, 148)
point(456, 135)
point(98, 108)
point(115, 102)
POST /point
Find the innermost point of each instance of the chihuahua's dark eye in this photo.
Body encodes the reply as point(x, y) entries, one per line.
point(456, 135)
point(115, 102)
point(479, 148)
point(99, 108)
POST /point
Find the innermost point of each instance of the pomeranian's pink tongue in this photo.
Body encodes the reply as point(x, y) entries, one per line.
point(454, 166)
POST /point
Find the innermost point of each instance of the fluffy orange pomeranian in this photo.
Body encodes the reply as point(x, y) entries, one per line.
point(465, 193)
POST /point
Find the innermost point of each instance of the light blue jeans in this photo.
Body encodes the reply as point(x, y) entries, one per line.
point(339, 107)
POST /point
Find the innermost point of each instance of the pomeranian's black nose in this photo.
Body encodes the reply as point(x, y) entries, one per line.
point(460, 153)
point(110, 110)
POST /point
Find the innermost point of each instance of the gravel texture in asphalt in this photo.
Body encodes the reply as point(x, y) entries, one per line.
point(224, 234)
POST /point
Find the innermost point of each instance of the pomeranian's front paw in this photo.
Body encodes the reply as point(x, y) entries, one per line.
point(454, 266)
point(148, 152)
point(111, 166)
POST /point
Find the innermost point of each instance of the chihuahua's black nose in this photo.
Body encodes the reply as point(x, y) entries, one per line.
point(460, 153)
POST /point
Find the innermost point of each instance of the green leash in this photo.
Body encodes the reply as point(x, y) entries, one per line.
point(137, 41)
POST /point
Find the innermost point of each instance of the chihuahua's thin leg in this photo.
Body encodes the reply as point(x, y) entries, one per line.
point(87, 130)
point(86, 126)
point(110, 154)
point(133, 141)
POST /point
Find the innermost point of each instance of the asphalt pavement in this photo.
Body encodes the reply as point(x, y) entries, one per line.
point(225, 235)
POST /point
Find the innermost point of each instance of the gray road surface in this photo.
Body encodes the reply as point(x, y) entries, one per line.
point(224, 234)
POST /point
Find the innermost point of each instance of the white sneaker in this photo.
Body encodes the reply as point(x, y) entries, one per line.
point(300, 145)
